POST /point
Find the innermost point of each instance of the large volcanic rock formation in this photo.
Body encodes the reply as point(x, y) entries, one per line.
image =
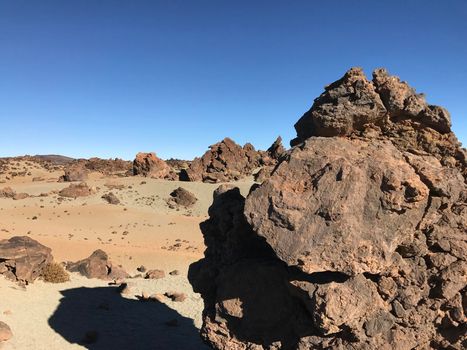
point(357, 240)
point(228, 161)
point(224, 161)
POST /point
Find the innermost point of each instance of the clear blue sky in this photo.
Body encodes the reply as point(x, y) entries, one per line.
point(110, 78)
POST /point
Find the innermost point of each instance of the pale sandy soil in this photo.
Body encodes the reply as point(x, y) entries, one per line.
point(142, 230)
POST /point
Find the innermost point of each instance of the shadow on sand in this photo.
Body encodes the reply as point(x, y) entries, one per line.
point(100, 318)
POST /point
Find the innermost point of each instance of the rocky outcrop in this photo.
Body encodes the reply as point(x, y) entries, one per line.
point(357, 240)
point(108, 166)
point(22, 258)
point(97, 265)
point(75, 172)
point(8, 192)
point(382, 108)
point(148, 164)
point(224, 161)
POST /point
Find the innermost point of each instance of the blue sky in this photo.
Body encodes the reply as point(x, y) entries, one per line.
point(110, 78)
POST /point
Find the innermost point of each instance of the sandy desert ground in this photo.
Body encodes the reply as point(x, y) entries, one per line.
point(142, 230)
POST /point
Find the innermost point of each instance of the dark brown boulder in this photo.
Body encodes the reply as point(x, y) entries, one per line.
point(22, 258)
point(356, 239)
point(148, 164)
point(111, 198)
point(182, 197)
point(97, 265)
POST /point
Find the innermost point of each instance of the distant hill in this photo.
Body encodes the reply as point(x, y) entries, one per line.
point(54, 158)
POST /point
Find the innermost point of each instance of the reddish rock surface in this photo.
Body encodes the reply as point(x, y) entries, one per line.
point(22, 258)
point(5, 332)
point(357, 240)
point(224, 161)
point(148, 164)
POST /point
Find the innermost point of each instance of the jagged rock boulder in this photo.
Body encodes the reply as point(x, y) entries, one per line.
point(22, 258)
point(382, 108)
point(148, 164)
point(77, 190)
point(269, 160)
point(357, 240)
point(224, 161)
point(182, 197)
point(97, 265)
point(274, 153)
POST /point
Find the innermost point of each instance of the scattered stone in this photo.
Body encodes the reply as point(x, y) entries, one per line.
point(111, 198)
point(5, 332)
point(77, 190)
point(157, 297)
point(154, 274)
point(141, 268)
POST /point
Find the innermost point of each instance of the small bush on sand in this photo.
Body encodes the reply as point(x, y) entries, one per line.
point(55, 273)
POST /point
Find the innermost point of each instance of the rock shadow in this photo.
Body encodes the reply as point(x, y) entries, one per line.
point(100, 318)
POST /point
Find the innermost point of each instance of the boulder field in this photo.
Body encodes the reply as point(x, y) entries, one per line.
point(356, 240)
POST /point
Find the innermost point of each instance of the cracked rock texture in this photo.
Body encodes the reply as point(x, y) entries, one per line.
point(358, 238)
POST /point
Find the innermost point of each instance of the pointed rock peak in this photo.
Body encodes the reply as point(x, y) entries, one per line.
point(383, 107)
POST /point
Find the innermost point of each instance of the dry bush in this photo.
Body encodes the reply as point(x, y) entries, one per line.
point(55, 273)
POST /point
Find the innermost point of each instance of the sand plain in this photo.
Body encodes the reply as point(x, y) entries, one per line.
point(142, 230)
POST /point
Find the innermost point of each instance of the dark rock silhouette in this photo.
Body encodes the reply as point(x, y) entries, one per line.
point(358, 238)
point(100, 318)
